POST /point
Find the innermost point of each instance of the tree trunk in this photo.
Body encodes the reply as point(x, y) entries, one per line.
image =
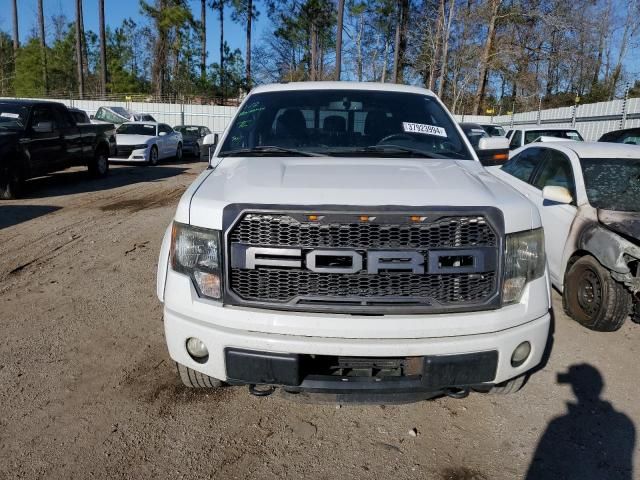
point(359, 46)
point(248, 52)
point(221, 20)
point(85, 53)
point(401, 41)
point(436, 49)
point(445, 51)
point(79, 36)
point(43, 47)
point(103, 49)
point(486, 57)
point(16, 36)
point(203, 40)
point(383, 78)
point(159, 64)
point(339, 39)
point(313, 51)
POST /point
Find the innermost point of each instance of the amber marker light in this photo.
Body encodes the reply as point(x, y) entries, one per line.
point(313, 218)
point(417, 218)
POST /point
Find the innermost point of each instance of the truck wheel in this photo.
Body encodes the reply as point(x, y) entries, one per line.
point(99, 165)
point(593, 298)
point(10, 183)
point(179, 152)
point(196, 152)
point(635, 316)
point(193, 379)
point(153, 156)
point(508, 387)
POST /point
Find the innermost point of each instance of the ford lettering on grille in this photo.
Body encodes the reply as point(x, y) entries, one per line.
point(285, 260)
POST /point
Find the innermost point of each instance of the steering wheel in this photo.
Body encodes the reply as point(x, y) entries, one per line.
point(395, 136)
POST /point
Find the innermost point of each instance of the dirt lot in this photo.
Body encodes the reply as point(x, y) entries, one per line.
point(89, 391)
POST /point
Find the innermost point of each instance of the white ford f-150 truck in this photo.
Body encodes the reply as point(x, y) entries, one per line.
point(345, 239)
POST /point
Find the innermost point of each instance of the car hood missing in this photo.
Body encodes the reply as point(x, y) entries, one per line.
point(626, 224)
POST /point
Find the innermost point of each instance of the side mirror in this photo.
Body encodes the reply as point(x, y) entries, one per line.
point(493, 143)
point(557, 194)
point(210, 139)
point(43, 127)
point(162, 134)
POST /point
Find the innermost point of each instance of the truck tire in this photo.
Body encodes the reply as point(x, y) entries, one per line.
point(10, 183)
point(179, 152)
point(99, 164)
point(593, 298)
point(508, 387)
point(192, 379)
point(635, 316)
point(153, 156)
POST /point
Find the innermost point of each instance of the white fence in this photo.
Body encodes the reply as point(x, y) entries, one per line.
point(215, 117)
point(591, 120)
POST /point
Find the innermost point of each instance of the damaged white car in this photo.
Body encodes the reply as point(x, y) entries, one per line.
point(588, 195)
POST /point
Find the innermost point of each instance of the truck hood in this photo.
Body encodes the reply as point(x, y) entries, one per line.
point(127, 139)
point(351, 181)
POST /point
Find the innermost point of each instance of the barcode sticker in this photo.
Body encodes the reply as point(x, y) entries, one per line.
point(9, 115)
point(423, 128)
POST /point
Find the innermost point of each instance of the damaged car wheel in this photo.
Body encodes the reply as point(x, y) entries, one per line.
point(593, 298)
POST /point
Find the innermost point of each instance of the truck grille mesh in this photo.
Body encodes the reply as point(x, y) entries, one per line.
point(284, 231)
point(302, 289)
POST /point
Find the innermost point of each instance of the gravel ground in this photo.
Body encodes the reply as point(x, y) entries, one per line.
point(88, 389)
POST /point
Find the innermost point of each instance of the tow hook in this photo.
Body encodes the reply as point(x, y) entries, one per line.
point(261, 392)
point(457, 393)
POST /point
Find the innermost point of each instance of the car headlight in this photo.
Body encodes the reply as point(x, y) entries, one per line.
point(196, 252)
point(141, 147)
point(524, 261)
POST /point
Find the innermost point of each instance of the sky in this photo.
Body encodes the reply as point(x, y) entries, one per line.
point(117, 10)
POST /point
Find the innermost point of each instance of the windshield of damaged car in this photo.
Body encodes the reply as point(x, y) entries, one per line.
point(353, 123)
point(137, 129)
point(612, 183)
point(13, 117)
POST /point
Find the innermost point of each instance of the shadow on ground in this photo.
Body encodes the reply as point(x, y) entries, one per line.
point(74, 181)
point(592, 441)
point(14, 214)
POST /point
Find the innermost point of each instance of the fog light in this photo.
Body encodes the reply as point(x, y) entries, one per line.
point(520, 354)
point(197, 349)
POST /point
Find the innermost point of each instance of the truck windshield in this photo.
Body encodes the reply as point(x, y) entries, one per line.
point(13, 117)
point(612, 183)
point(531, 135)
point(137, 129)
point(355, 123)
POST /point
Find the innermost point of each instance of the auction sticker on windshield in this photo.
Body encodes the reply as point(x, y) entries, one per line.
point(423, 128)
point(9, 115)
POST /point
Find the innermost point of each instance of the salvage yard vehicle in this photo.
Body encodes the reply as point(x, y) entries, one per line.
point(192, 136)
point(491, 151)
point(345, 239)
point(493, 130)
point(519, 137)
point(119, 115)
point(39, 137)
point(629, 136)
point(588, 195)
point(147, 142)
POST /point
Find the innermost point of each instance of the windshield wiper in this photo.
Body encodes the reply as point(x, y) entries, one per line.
point(378, 150)
point(268, 150)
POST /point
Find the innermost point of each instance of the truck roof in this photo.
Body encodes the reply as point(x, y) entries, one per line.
point(29, 102)
point(375, 86)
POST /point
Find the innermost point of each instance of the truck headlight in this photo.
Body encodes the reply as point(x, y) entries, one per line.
point(524, 261)
point(196, 252)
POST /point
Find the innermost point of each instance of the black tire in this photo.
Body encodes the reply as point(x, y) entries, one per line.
point(179, 152)
point(510, 386)
point(153, 156)
point(99, 164)
point(635, 315)
point(196, 152)
point(593, 298)
point(10, 183)
point(192, 379)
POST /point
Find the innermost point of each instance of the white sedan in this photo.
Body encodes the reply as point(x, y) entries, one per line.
point(588, 195)
point(147, 142)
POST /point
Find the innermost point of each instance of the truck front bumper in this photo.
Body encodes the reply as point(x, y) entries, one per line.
point(241, 356)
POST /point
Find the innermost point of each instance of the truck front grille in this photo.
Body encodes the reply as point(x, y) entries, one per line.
point(297, 287)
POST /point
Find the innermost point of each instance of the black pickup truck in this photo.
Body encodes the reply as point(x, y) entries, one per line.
point(38, 137)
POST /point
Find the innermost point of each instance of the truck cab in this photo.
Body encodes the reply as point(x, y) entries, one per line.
point(346, 240)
